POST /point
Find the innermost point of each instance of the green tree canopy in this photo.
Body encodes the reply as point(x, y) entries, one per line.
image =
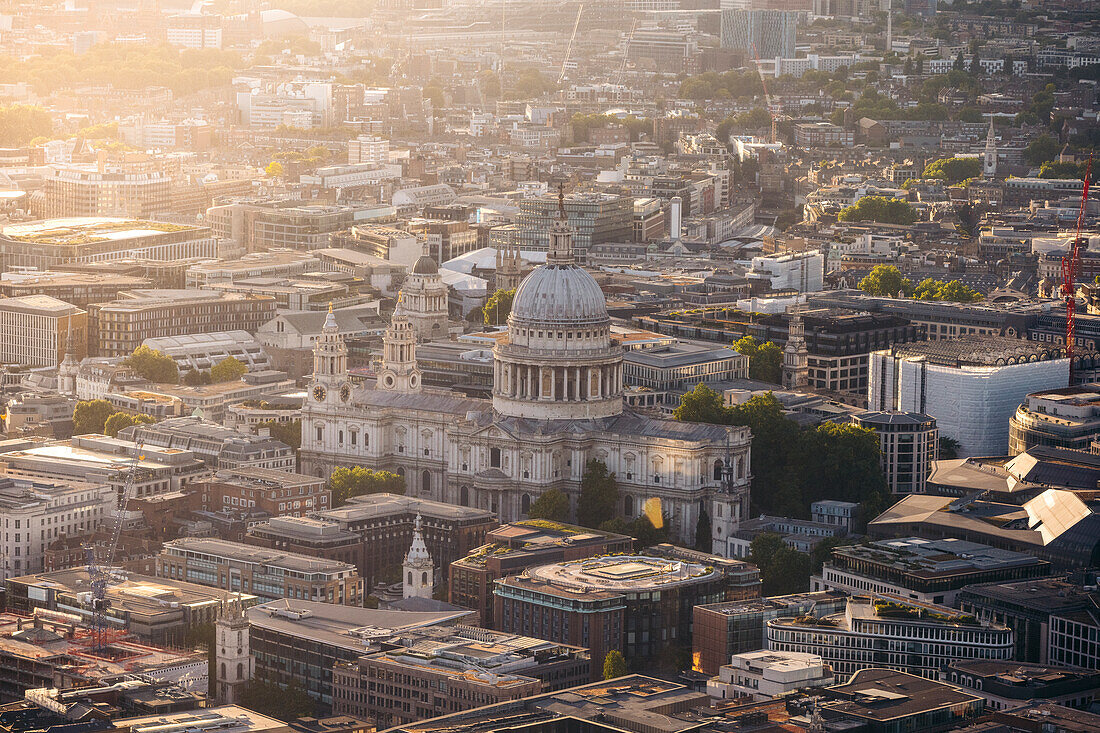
point(228, 369)
point(90, 415)
point(765, 360)
point(953, 170)
point(21, 123)
point(553, 505)
point(274, 169)
point(195, 377)
point(881, 209)
point(498, 307)
point(599, 495)
point(286, 432)
point(783, 570)
point(885, 280)
point(1042, 149)
point(356, 481)
point(156, 366)
point(614, 665)
point(119, 420)
point(952, 292)
point(703, 529)
point(791, 467)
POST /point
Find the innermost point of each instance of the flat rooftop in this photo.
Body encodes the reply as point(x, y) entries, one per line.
point(621, 573)
point(883, 695)
point(39, 305)
point(930, 558)
point(89, 229)
point(250, 554)
point(983, 351)
point(376, 506)
point(347, 627)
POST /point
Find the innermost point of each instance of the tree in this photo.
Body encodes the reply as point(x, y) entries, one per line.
point(775, 487)
point(498, 307)
point(153, 365)
point(229, 369)
point(842, 462)
point(702, 404)
point(953, 170)
point(885, 280)
point(756, 118)
point(274, 169)
point(646, 533)
point(195, 377)
point(553, 505)
point(119, 420)
point(703, 540)
point(765, 360)
point(286, 704)
point(344, 483)
point(951, 292)
point(286, 432)
point(1042, 149)
point(823, 551)
point(948, 449)
point(614, 665)
point(21, 123)
point(90, 415)
point(881, 209)
point(783, 570)
point(599, 494)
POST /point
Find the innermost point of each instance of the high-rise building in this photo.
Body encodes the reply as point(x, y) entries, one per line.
point(909, 442)
point(100, 191)
point(37, 331)
point(761, 34)
point(594, 218)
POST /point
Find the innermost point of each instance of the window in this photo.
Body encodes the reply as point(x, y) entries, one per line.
point(494, 457)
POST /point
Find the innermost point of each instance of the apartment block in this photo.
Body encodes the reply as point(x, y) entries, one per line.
point(37, 331)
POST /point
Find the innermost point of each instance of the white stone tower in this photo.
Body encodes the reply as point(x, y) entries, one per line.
point(730, 503)
point(425, 297)
point(330, 364)
point(399, 372)
point(989, 161)
point(418, 569)
point(233, 667)
point(796, 357)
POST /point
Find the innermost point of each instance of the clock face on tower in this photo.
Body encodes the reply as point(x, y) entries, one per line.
point(345, 392)
point(319, 393)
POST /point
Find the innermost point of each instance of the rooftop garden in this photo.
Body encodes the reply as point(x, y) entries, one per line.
point(892, 609)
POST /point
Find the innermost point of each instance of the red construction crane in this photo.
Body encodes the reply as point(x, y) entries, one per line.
point(1071, 266)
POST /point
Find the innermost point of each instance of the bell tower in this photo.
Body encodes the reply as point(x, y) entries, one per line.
point(418, 570)
point(796, 357)
point(399, 372)
point(233, 659)
point(989, 160)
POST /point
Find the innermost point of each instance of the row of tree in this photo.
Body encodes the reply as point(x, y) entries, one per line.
point(156, 366)
point(101, 417)
point(887, 281)
point(881, 209)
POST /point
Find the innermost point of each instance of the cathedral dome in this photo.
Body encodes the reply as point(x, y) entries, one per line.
point(559, 295)
point(425, 265)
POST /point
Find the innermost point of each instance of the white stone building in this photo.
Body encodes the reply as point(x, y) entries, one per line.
point(425, 298)
point(557, 403)
point(35, 512)
point(763, 675)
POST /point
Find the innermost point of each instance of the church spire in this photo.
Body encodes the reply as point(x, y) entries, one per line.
point(989, 162)
point(561, 235)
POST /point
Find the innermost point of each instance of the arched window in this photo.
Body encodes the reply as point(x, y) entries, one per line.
point(628, 506)
point(410, 577)
point(240, 670)
point(718, 470)
point(223, 670)
point(740, 468)
point(426, 482)
point(464, 496)
point(525, 503)
point(424, 578)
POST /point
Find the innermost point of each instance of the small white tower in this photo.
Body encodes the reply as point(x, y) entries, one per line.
point(66, 375)
point(399, 372)
point(730, 502)
point(425, 298)
point(796, 357)
point(233, 667)
point(418, 568)
point(330, 364)
point(989, 162)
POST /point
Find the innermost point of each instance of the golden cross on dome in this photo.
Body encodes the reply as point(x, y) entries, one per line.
point(561, 200)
